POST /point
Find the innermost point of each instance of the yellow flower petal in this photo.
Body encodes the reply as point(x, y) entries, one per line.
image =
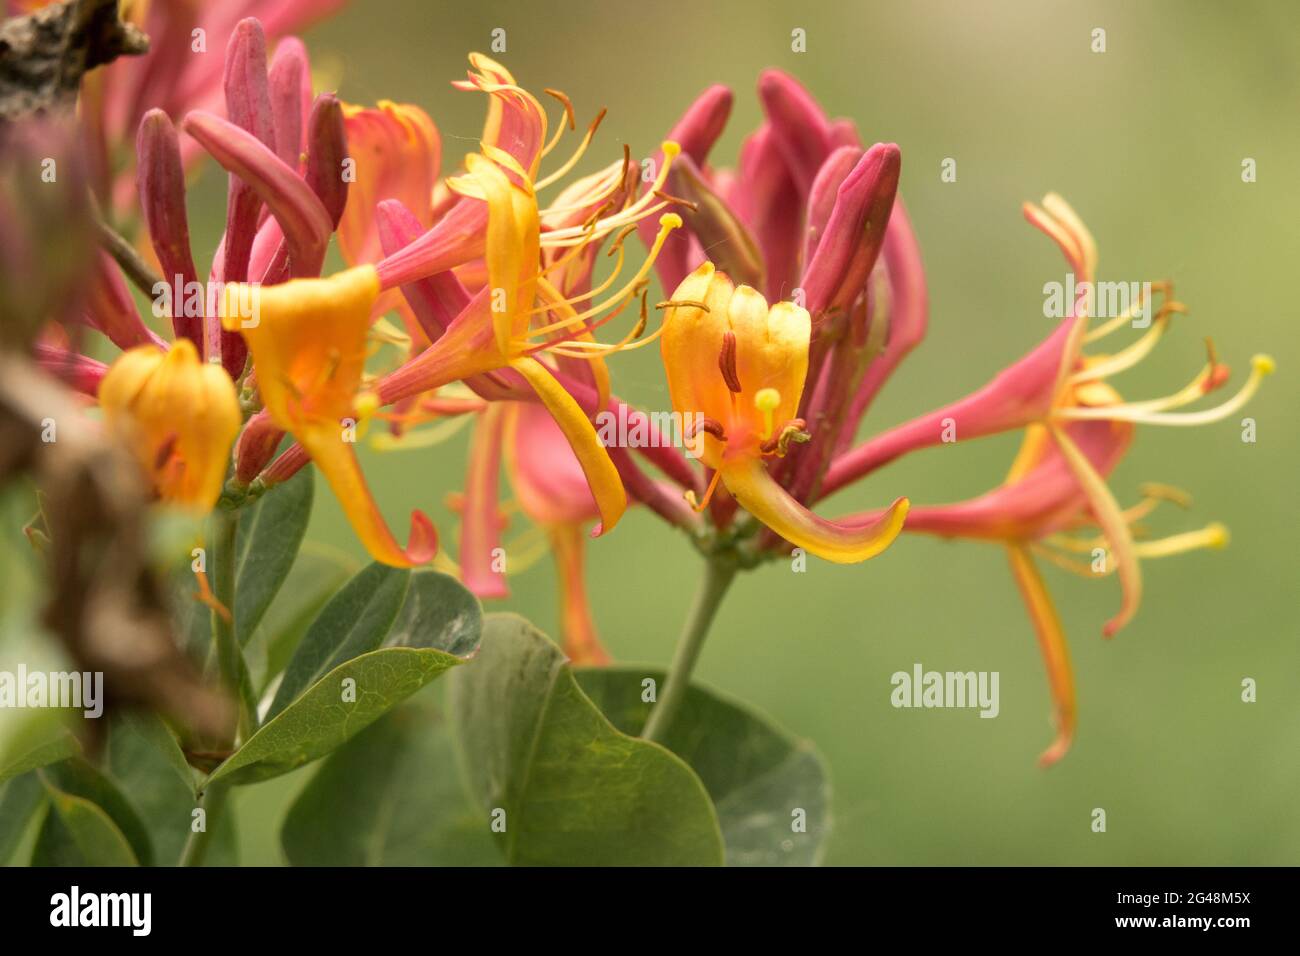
point(749, 482)
point(602, 476)
point(1052, 643)
point(337, 461)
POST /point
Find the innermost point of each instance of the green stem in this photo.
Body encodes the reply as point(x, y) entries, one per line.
point(718, 575)
point(230, 660)
point(196, 847)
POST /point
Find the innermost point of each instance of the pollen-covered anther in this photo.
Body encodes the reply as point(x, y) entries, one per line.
point(676, 200)
point(727, 366)
point(795, 430)
point(710, 426)
point(682, 304)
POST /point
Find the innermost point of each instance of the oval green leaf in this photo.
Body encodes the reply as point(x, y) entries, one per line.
point(436, 628)
point(390, 796)
point(78, 832)
point(573, 789)
point(771, 790)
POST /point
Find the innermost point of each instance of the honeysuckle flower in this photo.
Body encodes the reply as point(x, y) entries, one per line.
point(1057, 384)
point(502, 329)
point(742, 365)
point(284, 153)
point(262, 145)
point(807, 216)
point(1077, 427)
point(397, 153)
point(177, 415)
point(309, 349)
point(79, 372)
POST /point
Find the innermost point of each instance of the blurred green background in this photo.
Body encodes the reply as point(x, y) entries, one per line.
point(1146, 141)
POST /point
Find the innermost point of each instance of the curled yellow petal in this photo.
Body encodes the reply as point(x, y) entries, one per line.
point(511, 247)
point(1055, 650)
point(308, 339)
point(602, 476)
point(337, 461)
point(750, 484)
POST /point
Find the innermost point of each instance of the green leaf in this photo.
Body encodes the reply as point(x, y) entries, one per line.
point(77, 778)
point(77, 832)
point(316, 577)
point(390, 796)
point(436, 628)
point(355, 621)
point(20, 798)
point(758, 775)
point(270, 532)
point(141, 737)
point(40, 742)
point(144, 759)
point(575, 790)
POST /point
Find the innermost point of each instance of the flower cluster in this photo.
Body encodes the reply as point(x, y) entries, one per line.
point(793, 291)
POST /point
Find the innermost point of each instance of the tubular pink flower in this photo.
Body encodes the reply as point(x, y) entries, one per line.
point(854, 232)
point(109, 308)
point(769, 205)
point(289, 89)
point(1018, 396)
point(480, 528)
point(305, 221)
point(172, 76)
point(802, 132)
point(78, 372)
point(824, 193)
point(909, 313)
point(161, 181)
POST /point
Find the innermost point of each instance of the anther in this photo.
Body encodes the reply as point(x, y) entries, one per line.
point(708, 425)
point(794, 430)
point(727, 365)
point(567, 103)
point(676, 200)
